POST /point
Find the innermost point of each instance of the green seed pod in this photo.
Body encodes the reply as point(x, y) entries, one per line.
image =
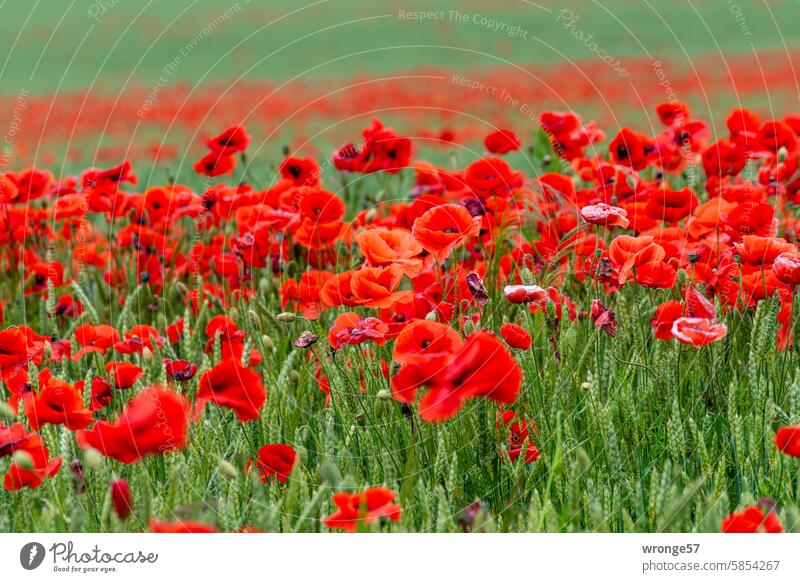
point(24, 460)
point(227, 470)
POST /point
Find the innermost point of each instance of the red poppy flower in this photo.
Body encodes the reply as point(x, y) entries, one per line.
point(762, 250)
point(124, 374)
point(215, 164)
point(787, 439)
point(519, 437)
point(671, 205)
point(697, 331)
point(303, 172)
point(352, 329)
point(14, 351)
point(56, 402)
point(154, 421)
point(724, 159)
point(516, 336)
point(482, 367)
point(786, 268)
point(377, 287)
point(384, 247)
point(425, 338)
point(501, 142)
point(121, 498)
point(232, 385)
point(629, 149)
point(275, 461)
point(665, 316)
point(444, 228)
point(491, 177)
point(15, 439)
point(524, 293)
point(606, 215)
point(184, 526)
point(629, 252)
point(232, 140)
point(180, 370)
point(753, 519)
point(356, 509)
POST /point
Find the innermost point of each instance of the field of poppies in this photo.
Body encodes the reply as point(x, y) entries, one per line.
point(452, 299)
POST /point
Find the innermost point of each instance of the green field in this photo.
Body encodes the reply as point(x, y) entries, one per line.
point(58, 45)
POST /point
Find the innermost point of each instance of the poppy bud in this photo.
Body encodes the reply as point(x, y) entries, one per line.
point(432, 316)
point(586, 386)
point(23, 460)
point(121, 498)
point(7, 414)
point(294, 376)
point(551, 310)
point(92, 458)
point(370, 216)
point(226, 469)
point(263, 286)
point(469, 327)
point(384, 394)
point(254, 319)
point(286, 317)
point(683, 278)
point(329, 473)
point(783, 153)
point(233, 313)
point(526, 276)
point(269, 345)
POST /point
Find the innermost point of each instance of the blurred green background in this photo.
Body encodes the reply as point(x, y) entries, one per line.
point(56, 45)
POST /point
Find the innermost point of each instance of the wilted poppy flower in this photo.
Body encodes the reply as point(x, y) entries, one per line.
point(123, 374)
point(524, 293)
point(275, 461)
point(121, 498)
point(183, 526)
point(232, 385)
point(154, 421)
point(603, 317)
point(752, 519)
point(501, 142)
point(355, 509)
point(444, 228)
point(605, 214)
point(787, 439)
point(697, 331)
point(180, 370)
point(516, 336)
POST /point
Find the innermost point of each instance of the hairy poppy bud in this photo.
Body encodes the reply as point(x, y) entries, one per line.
point(23, 460)
point(254, 319)
point(384, 394)
point(227, 469)
point(683, 277)
point(233, 313)
point(121, 498)
point(286, 317)
point(432, 316)
point(7, 414)
point(263, 286)
point(269, 345)
point(294, 376)
point(469, 327)
point(526, 276)
point(783, 153)
point(92, 458)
